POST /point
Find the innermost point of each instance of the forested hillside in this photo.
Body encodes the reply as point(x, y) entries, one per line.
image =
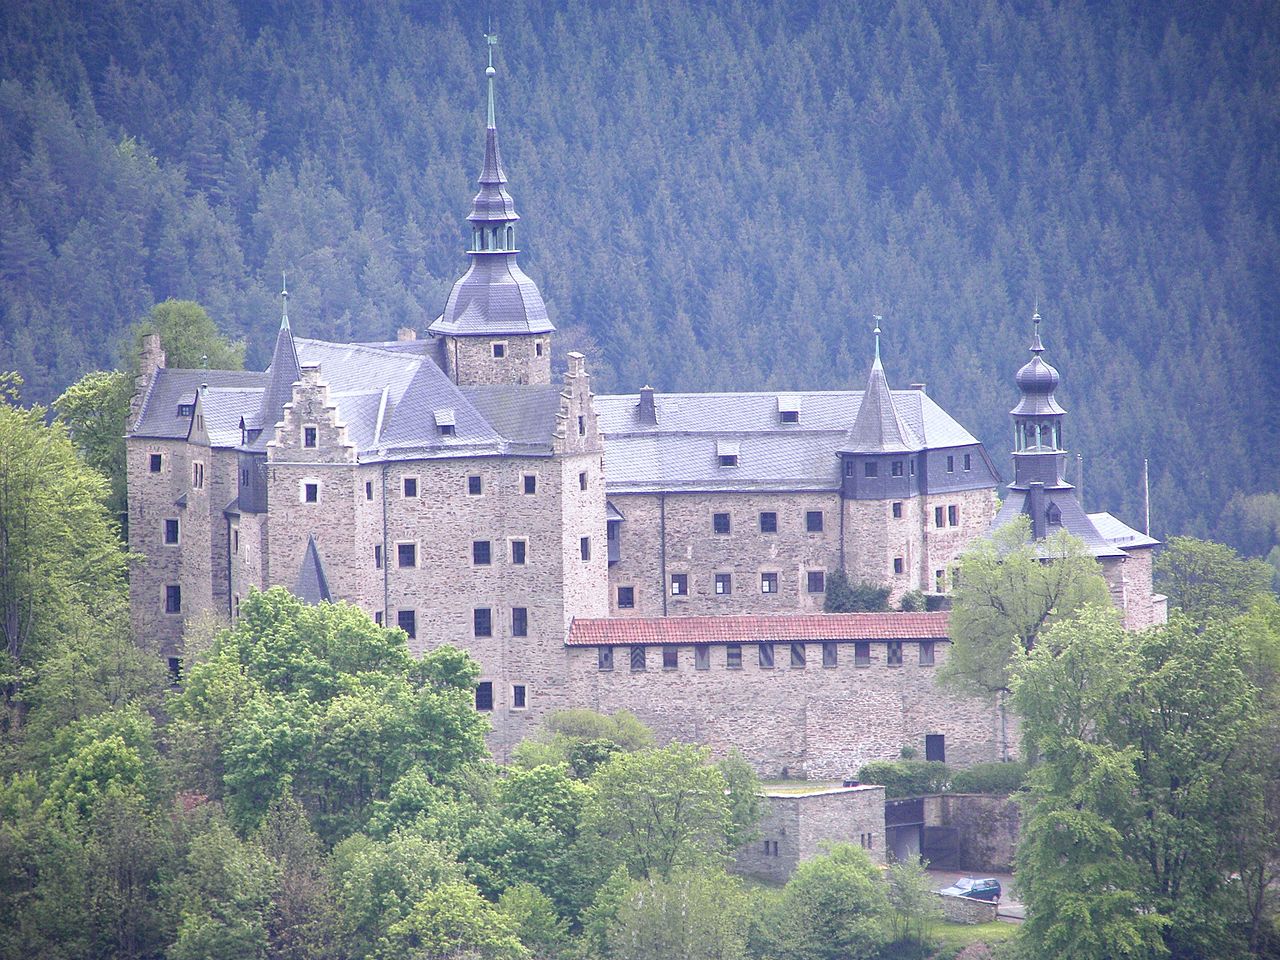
point(714, 196)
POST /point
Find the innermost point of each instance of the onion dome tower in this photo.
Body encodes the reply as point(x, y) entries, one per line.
point(494, 328)
point(1038, 456)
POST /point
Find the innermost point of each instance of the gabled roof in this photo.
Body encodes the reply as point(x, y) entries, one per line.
point(172, 386)
point(1073, 519)
point(312, 586)
point(1120, 534)
point(757, 629)
point(283, 373)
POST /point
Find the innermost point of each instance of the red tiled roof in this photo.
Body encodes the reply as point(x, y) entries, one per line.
point(822, 626)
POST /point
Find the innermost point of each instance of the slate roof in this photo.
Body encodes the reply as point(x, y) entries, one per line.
point(878, 427)
point(312, 586)
point(679, 451)
point(757, 629)
point(1119, 533)
point(1074, 520)
point(494, 297)
point(283, 373)
point(172, 386)
point(222, 408)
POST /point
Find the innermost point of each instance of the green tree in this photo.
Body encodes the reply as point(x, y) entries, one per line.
point(913, 905)
point(535, 920)
point(189, 337)
point(834, 907)
point(95, 409)
point(1209, 581)
point(450, 921)
point(584, 739)
point(302, 923)
point(695, 914)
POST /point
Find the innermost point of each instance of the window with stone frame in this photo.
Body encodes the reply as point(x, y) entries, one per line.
point(171, 531)
point(172, 598)
point(157, 462)
point(311, 491)
point(310, 436)
point(897, 509)
point(733, 656)
point(406, 554)
point(724, 584)
point(765, 651)
point(482, 622)
point(670, 658)
point(830, 654)
point(953, 515)
point(530, 482)
point(481, 553)
point(939, 517)
point(484, 695)
point(940, 581)
point(584, 549)
point(769, 522)
point(368, 489)
point(499, 349)
point(797, 656)
point(702, 658)
point(862, 653)
point(637, 659)
point(893, 653)
point(519, 552)
point(604, 658)
point(197, 475)
point(475, 485)
point(816, 581)
point(679, 584)
point(582, 426)
point(899, 565)
point(377, 556)
point(813, 521)
point(407, 620)
point(409, 487)
point(768, 583)
point(519, 696)
point(926, 653)
point(582, 480)
point(519, 621)
point(720, 523)
point(626, 598)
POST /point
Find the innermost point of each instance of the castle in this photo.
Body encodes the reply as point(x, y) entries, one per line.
point(605, 551)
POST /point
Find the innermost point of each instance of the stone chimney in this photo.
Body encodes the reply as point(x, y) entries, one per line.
point(919, 386)
point(150, 360)
point(648, 411)
point(406, 333)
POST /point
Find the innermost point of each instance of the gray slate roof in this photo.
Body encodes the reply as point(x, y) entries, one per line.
point(312, 586)
point(1119, 533)
point(172, 386)
point(878, 427)
point(680, 450)
point(494, 297)
point(1074, 520)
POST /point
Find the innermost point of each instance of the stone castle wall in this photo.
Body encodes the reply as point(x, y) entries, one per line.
point(796, 826)
point(470, 361)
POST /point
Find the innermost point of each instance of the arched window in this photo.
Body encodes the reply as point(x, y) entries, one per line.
point(511, 237)
point(499, 241)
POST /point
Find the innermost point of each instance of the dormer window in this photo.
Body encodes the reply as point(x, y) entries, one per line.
point(727, 453)
point(445, 422)
point(789, 409)
point(186, 410)
point(1053, 515)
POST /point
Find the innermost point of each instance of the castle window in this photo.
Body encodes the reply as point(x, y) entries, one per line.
point(537, 348)
point(235, 541)
point(951, 464)
point(175, 670)
point(733, 656)
point(790, 416)
point(197, 475)
point(768, 522)
point(484, 695)
point(309, 437)
point(481, 553)
point(519, 696)
point(702, 658)
point(766, 655)
point(244, 478)
point(848, 468)
point(582, 426)
point(186, 409)
point(368, 489)
point(926, 653)
point(511, 237)
point(911, 467)
point(935, 747)
point(1053, 514)
point(871, 469)
point(637, 659)
point(604, 658)
point(171, 531)
point(893, 653)
point(670, 658)
point(519, 551)
point(862, 654)
point(626, 598)
point(582, 480)
point(377, 617)
point(797, 656)
point(499, 350)
point(899, 566)
point(406, 554)
point(407, 620)
point(727, 453)
point(953, 515)
point(768, 583)
point(157, 462)
point(968, 461)
point(789, 408)
point(939, 518)
point(720, 523)
point(897, 509)
point(377, 556)
point(724, 584)
point(519, 621)
point(940, 581)
point(446, 422)
point(311, 492)
point(172, 598)
point(530, 483)
point(482, 622)
point(816, 581)
point(728, 459)
point(830, 654)
point(584, 548)
point(813, 521)
point(475, 485)
point(679, 584)
point(896, 470)
point(409, 487)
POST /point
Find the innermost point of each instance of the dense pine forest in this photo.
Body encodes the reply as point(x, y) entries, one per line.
point(714, 196)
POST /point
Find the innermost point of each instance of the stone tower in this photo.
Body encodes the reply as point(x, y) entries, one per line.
point(494, 328)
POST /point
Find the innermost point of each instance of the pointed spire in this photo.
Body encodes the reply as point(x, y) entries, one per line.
point(284, 300)
point(878, 428)
point(283, 373)
point(878, 318)
point(312, 585)
point(491, 39)
point(1036, 346)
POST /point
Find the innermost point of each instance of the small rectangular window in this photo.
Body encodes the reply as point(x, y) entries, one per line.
point(584, 548)
point(309, 438)
point(499, 350)
point(940, 581)
point(448, 430)
point(311, 492)
point(830, 654)
point(862, 654)
point(893, 653)
point(871, 469)
point(733, 656)
point(766, 655)
point(530, 483)
point(186, 409)
point(897, 509)
point(968, 461)
point(407, 620)
point(481, 553)
point(813, 521)
point(935, 747)
point(406, 554)
point(519, 621)
point(724, 584)
point(377, 556)
point(173, 598)
point(377, 617)
point(926, 653)
point(670, 658)
point(582, 480)
point(519, 552)
point(484, 695)
point(768, 583)
point(409, 487)
point(175, 670)
point(790, 416)
point(235, 541)
point(951, 464)
point(475, 486)
point(482, 622)
point(727, 459)
point(604, 658)
point(899, 565)
point(157, 462)
point(702, 658)
point(953, 515)
point(797, 656)
point(769, 522)
point(626, 598)
point(939, 517)
point(816, 581)
point(519, 696)
point(637, 659)
point(848, 468)
point(171, 531)
point(368, 489)
point(537, 348)
point(582, 426)
point(896, 469)
point(679, 584)
point(719, 523)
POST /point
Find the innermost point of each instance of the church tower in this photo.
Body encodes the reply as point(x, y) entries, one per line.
point(494, 328)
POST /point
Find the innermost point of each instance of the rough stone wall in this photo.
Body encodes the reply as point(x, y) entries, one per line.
point(967, 910)
point(942, 546)
point(1129, 582)
point(469, 360)
point(874, 538)
point(801, 824)
point(152, 498)
point(815, 722)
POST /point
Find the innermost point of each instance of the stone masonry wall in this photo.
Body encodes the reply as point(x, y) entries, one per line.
point(1129, 583)
point(470, 360)
point(815, 722)
point(153, 498)
point(796, 827)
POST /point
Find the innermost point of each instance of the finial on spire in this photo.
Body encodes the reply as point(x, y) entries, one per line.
point(878, 318)
point(1036, 346)
point(284, 299)
point(491, 40)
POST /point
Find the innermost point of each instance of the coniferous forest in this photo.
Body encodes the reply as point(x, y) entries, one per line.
point(715, 196)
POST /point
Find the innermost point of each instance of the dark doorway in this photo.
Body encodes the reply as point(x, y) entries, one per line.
point(935, 747)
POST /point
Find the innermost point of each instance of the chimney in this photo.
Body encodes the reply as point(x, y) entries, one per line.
point(648, 411)
point(1035, 506)
point(920, 387)
point(406, 333)
point(150, 360)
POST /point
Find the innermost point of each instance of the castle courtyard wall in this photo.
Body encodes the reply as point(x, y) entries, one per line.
point(796, 826)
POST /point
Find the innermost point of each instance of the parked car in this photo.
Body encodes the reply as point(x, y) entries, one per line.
point(977, 888)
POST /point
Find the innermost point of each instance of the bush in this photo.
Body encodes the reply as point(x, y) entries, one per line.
point(995, 778)
point(912, 601)
point(907, 778)
point(846, 597)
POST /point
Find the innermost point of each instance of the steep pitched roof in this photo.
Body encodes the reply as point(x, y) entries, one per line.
point(757, 629)
point(283, 373)
point(312, 586)
point(879, 428)
point(171, 386)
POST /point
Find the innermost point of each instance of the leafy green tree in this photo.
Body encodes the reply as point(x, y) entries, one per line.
point(452, 920)
point(843, 596)
point(746, 806)
point(1209, 581)
point(302, 923)
point(535, 920)
point(584, 739)
point(697, 914)
point(95, 409)
point(189, 336)
point(913, 905)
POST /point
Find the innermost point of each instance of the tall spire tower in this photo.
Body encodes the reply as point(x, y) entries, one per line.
point(494, 328)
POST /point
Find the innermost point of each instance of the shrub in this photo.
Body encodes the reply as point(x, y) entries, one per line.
point(995, 778)
point(912, 601)
point(846, 597)
point(907, 778)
